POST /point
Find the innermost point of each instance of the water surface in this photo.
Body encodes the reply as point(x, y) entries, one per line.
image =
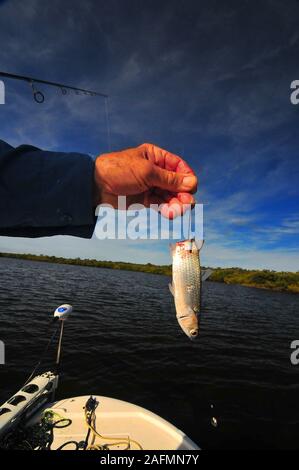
point(123, 341)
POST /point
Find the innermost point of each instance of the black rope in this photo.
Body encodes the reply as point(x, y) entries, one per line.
point(42, 356)
point(67, 443)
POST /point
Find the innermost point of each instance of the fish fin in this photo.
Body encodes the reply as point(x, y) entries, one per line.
point(199, 244)
point(171, 288)
point(172, 248)
point(206, 274)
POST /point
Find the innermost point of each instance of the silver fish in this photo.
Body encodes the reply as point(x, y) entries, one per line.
point(186, 284)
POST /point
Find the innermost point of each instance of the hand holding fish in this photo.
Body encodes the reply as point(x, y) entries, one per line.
point(146, 175)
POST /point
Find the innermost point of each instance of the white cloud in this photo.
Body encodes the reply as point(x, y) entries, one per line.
point(250, 258)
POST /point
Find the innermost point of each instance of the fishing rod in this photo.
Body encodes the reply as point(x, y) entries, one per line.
point(39, 97)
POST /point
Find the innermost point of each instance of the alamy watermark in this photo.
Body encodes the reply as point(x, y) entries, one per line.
point(138, 222)
point(294, 97)
point(2, 92)
point(294, 358)
point(2, 353)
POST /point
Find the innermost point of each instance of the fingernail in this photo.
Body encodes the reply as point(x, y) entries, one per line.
point(189, 181)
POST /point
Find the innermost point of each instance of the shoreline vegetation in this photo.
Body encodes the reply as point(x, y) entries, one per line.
point(262, 279)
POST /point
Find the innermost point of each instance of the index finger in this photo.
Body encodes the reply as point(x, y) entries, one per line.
point(166, 160)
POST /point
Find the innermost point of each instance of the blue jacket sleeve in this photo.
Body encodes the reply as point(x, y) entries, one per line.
point(45, 193)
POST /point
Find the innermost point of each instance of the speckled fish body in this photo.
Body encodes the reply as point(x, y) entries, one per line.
point(186, 284)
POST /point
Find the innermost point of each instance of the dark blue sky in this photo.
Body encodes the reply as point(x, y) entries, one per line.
point(209, 79)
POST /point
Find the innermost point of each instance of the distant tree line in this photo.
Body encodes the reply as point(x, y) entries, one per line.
point(281, 281)
point(265, 279)
point(147, 268)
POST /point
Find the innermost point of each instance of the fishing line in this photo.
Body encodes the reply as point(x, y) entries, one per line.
point(42, 356)
point(189, 215)
point(108, 123)
point(189, 221)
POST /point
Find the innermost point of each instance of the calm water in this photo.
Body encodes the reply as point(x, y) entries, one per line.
point(123, 341)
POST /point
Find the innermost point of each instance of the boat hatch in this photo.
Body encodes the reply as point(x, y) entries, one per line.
point(16, 400)
point(30, 388)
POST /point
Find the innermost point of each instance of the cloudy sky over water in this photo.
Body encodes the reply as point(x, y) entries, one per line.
point(206, 79)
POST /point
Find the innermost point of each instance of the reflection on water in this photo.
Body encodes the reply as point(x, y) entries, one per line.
point(123, 341)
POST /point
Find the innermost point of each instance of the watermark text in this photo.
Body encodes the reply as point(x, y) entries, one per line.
point(294, 97)
point(2, 92)
point(295, 354)
point(138, 222)
point(2, 353)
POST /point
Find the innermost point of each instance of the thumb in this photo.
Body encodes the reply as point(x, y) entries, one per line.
point(172, 181)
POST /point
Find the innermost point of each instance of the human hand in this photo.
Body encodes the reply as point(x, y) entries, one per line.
point(146, 175)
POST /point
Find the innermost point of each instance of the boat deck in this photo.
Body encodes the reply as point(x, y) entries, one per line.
point(120, 423)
